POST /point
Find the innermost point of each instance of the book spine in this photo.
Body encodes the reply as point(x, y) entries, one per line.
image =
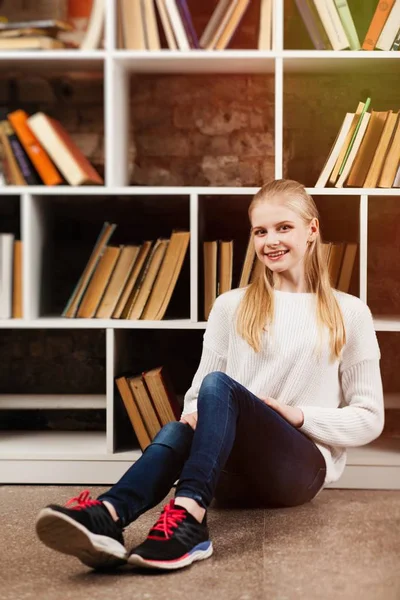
point(332, 24)
point(311, 24)
point(25, 165)
point(390, 29)
point(188, 23)
point(378, 21)
point(396, 183)
point(343, 9)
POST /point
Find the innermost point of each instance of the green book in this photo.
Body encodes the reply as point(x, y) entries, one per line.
point(353, 137)
point(343, 9)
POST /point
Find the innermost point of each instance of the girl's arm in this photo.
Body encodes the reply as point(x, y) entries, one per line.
point(362, 419)
point(214, 353)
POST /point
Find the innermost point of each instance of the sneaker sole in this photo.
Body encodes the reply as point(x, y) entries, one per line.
point(199, 552)
point(59, 532)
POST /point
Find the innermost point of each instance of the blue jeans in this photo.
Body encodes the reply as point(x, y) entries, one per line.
point(242, 452)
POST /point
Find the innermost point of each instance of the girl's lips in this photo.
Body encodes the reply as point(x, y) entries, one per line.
point(276, 258)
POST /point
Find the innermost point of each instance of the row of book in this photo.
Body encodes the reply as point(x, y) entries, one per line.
point(128, 282)
point(10, 277)
point(36, 150)
point(141, 24)
point(150, 402)
point(330, 25)
point(218, 262)
point(366, 151)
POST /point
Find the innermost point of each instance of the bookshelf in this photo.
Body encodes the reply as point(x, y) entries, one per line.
point(101, 457)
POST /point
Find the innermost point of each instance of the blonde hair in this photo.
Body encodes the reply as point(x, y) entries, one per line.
point(256, 310)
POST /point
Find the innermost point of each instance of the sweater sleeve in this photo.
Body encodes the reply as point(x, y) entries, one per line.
point(361, 419)
point(214, 353)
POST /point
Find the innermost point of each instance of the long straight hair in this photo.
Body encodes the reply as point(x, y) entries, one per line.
point(256, 310)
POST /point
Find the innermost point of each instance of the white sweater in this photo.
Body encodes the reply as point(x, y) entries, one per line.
point(342, 401)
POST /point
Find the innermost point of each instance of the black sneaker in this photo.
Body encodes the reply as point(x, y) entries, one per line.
point(86, 530)
point(175, 541)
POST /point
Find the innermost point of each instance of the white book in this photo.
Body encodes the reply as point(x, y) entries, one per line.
point(348, 23)
point(331, 161)
point(222, 25)
point(214, 22)
point(265, 31)
point(6, 274)
point(94, 31)
point(390, 29)
point(150, 24)
point(332, 24)
point(177, 25)
point(169, 34)
point(354, 150)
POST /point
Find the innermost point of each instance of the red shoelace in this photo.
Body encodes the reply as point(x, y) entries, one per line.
point(168, 521)
point(83, 501)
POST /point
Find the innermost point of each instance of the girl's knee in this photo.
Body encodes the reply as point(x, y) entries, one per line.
point(214, 380)
point(173, 434)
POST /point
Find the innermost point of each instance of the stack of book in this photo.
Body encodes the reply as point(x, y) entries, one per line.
point(37, 150)
point(139, 29)
point(150, 402)
point(366, 151)
point(218, 262)
point(128, 282)
point(330, 25)
point(33, 35)
point(10, 277)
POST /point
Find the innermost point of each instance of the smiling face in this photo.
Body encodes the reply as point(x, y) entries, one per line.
point(281, 238)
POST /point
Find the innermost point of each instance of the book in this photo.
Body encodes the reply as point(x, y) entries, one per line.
point(225, 266)
point(396, 43)
point(356, 116)
point(177, 25)
point(152, 269)
point(133, 412)
point(365, 155)
point(396, 182)
point(344, 12)
point(361, 121)
point(346, 271)
point(23, 162)
point(17, 301)
point(390, 28)
point(98, 250)
point(6, 274)
point(313, 24)
point(381, 151)
point(265, 32)
point(133, 25)
point(378, 21)
point(162, 394)
point(335, 150)
point(164, 18)
point(52, 26)
point(15, 172)
point(98, 283)
point(391, 163)
point(150, 25)
point(31, 42)
point(335, 261)
point(187, 22)
point(232, 24)
point(211, 31)
point(123, 304)
point(332, 24)
point(145, 405)
point(39, 158)
point(94, 31)
point(74, 166)
point(353, 149)
point(167, 276)
point(116, 285)
point(210, 254)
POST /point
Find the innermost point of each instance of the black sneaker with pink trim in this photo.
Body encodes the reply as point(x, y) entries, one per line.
point(176, 540)
point(83, 528)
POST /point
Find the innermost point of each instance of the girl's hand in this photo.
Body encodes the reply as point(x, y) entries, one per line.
point(293, 414)
point(190, 419)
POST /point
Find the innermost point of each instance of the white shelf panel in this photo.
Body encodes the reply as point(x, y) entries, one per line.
point(354, 191)
point(64, 323)
point(385, 451)
point(196, 61)
point(52, 401)
point(327, 62)
point(60, 60)
point(387, 323)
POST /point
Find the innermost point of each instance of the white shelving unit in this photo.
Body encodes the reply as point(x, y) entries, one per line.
point(90, 457)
